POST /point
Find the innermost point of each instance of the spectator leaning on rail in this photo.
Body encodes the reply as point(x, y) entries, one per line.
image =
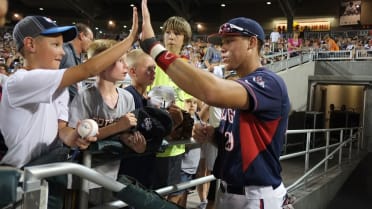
point(34, 107)
point(141, 69)
point(176, 33)
point(331, 44)
point(254, 121)
point(110, 106)
point(73, 52)
point(294, 44)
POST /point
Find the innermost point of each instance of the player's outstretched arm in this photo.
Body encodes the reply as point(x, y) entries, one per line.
point(202, 85)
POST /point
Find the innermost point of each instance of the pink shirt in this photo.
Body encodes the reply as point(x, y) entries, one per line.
point(294, 43)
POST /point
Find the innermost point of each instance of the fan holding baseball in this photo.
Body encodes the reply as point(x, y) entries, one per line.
point(87, 127)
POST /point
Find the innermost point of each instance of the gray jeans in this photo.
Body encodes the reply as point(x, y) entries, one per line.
point(57, 184)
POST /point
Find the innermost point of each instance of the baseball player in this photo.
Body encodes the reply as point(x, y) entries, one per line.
point(254, 119)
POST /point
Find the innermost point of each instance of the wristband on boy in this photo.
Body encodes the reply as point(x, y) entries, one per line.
point(160, 54)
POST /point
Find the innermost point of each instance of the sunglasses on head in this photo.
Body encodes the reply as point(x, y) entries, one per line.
point(231, 28)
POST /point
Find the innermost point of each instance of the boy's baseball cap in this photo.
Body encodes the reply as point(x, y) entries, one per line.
point(153, 123)
point(240, 26)
point(33, 26)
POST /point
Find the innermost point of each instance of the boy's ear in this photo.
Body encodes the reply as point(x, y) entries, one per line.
point(132, 71)
point(29, 43)
point(80, 36)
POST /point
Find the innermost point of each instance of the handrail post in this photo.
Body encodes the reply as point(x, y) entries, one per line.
point(307, 155)
point(326, 152)
point(351, 143)
point(358, 141)
point(361, 137)
point(340, 152)
point(84, 192)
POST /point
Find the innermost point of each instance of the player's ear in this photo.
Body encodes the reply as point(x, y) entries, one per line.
point(252, 42)
point(249, 43)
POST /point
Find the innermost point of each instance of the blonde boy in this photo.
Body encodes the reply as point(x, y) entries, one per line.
point(34, 110)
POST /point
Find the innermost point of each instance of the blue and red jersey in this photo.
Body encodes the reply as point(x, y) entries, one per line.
point(250, 141)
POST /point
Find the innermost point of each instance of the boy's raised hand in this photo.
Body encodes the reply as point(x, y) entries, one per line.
point(134, 30)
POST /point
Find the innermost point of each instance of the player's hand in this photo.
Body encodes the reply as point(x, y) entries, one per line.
point(147, 31)
point(203, 132)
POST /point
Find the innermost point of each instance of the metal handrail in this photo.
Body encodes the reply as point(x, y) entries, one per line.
point(333, 55)
point(307, 151)
point(36, 173)
point(308, 173)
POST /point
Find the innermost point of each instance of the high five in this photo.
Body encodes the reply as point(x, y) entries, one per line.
point(253, 124)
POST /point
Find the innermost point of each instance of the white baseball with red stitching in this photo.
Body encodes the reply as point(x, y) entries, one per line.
point(87, 127)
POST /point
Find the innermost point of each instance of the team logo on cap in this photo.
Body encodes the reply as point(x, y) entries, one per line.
point(147, 124)
point(48, 20)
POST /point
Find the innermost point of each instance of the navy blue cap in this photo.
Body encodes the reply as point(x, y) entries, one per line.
point(33, 26)
point(240, 26)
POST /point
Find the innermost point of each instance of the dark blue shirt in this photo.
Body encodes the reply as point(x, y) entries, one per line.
point(139, 100)
point(250, 141)
point(139, 167)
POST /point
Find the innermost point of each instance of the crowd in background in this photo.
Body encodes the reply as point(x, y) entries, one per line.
point(196, 49)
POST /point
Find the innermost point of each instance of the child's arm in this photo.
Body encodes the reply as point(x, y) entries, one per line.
point(126, 122)
point(101, 61)
point(136, 141)
point(71, 138)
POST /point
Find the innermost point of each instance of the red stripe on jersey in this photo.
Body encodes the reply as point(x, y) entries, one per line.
point(262, 205)
point(255, 135)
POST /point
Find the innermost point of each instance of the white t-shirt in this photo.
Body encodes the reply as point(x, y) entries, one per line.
point(88, 103)
point(209, 150)
point(274, 36)
point(29, 111)
point(218, 71)
point(3, 79)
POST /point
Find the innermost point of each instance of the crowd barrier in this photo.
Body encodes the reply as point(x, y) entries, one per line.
point(33, 193)
point(363, 54)
point(284, 60)
point(333, 55)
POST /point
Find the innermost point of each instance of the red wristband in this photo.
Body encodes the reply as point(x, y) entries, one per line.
point(164, 59)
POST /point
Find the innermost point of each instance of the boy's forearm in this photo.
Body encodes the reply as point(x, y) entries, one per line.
point(67, 135)
point(109, 130)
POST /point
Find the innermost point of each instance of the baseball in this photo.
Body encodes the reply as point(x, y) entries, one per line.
point(87, 127)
